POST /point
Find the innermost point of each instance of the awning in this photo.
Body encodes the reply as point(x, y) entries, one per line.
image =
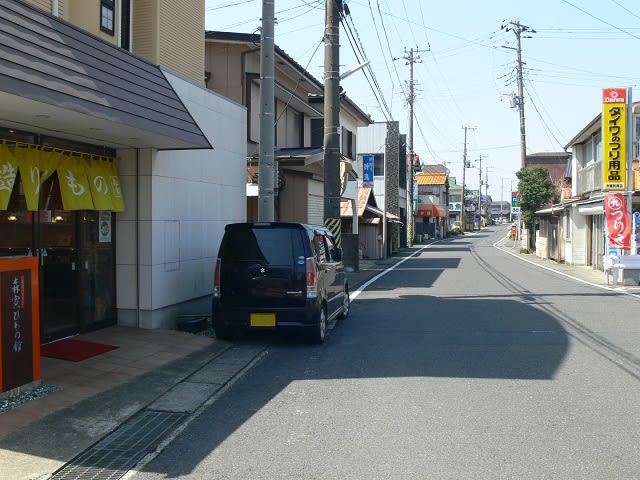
point(591, 209)
point(57, 80)
point(430, 210)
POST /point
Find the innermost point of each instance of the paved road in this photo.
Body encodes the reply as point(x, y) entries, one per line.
point(463, 362)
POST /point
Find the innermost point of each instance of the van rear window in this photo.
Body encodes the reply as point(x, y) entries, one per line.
point(269, 246)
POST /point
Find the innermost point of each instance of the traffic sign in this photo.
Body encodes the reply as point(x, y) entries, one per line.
point(516, 210)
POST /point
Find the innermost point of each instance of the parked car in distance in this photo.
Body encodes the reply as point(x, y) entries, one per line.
point(456, 227)
point(278, 276)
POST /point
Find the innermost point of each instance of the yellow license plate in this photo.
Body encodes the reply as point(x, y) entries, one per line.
point(262, 320)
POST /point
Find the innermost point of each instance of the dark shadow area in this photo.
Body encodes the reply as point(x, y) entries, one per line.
point(407, 336)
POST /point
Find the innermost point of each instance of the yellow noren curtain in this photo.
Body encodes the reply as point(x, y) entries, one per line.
point(8, 173)
point(86, 183)
point(98, 172)
point(74, 184)
point(117, 200)
point(35, 166)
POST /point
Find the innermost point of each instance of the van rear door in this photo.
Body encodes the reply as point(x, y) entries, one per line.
point(263, 266)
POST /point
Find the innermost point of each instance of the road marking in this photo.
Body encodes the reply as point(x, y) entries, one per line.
point(604, 287)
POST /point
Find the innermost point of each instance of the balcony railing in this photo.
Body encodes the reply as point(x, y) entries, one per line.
point(589, 178)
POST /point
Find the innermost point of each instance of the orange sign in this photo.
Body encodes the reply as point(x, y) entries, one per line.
point(20, 322)
point(614, 138)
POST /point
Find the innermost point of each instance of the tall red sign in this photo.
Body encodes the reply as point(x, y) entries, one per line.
point(618, 221)
point(19, 322)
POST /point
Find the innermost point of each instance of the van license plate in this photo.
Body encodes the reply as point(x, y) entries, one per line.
point(262, 320)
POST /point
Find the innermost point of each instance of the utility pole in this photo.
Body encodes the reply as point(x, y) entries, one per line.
point(464, 169)
point(331, 143)
point(480, 191)
point(411, 57)
point(519, 29)
point(266, 165)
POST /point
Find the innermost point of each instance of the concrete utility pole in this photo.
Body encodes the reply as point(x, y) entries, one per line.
point(464, 169)
point(266, 164)
point(480, 190)
point(411, 57)
point(519, 29)
point(332, 117)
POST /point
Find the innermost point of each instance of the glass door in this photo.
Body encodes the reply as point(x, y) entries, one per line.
point(55, 231)
point(96, 269)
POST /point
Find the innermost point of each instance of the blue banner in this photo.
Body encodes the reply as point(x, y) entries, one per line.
point(367, 171)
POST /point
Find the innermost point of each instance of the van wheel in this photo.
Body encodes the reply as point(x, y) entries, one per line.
point(346, 305)
point(319, 332)
point(223, 333)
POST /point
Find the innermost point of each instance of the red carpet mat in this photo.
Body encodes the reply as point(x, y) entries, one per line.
point(74, 350)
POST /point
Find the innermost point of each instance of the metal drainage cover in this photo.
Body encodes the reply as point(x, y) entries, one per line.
point(112, 457)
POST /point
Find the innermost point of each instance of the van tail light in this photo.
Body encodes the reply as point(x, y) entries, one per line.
point(216, 280)
point(312, 278)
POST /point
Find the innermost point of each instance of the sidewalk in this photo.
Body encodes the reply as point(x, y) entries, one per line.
point(155, 381)
point(167, 372)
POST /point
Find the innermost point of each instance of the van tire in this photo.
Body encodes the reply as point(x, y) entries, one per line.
point(319, 331)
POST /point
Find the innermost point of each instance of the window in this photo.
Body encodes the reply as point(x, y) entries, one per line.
point(378, 165)
point(107, 16)
point(317, 132)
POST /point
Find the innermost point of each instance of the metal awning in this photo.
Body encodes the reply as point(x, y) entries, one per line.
point(58, 80)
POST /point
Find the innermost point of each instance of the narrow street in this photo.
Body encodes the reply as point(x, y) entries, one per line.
point(462, 362)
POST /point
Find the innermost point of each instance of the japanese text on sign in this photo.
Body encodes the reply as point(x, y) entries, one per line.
point(614, 128)
point(17, 306)
point(367, 170)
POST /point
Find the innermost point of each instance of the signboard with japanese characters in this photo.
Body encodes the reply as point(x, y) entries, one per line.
point(614, 139)
point(20, 325)
point(514, 199)
point(367, 171)
point(618, 221)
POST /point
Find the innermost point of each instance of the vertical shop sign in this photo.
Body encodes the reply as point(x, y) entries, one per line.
point(618, 221)
point(104, 224)
point(19, 332)
point(367, 171)
point(614, 132)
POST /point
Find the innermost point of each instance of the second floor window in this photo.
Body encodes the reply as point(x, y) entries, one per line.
point(107, 16)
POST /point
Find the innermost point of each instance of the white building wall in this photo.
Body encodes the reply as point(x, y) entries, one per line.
point(186, 198)
point(370, 140)
point(579, 239)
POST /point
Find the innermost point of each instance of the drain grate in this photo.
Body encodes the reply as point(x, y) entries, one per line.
point(112, 457)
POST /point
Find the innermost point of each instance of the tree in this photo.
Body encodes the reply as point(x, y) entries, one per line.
point(535, 189)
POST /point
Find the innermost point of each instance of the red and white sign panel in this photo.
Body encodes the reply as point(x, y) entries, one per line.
point(618, 221)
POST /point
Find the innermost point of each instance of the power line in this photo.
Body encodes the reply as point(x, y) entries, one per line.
point(600, 20)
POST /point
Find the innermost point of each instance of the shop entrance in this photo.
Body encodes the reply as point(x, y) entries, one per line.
point(75, 251)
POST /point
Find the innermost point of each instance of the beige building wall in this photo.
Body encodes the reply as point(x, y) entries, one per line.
point(182, 37)
point(45, 5)
point(171, 33)
point(224, 61)
point(82, 13)
point(144, 33)
point(86, 15)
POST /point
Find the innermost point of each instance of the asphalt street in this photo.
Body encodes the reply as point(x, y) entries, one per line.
point(461, 362)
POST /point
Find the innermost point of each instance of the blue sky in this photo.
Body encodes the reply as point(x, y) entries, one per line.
point(466, 77)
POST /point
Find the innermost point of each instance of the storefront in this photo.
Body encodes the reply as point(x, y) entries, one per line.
point(57, 202)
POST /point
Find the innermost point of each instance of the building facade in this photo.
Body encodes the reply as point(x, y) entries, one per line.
point(89, 87)
point(232, 62)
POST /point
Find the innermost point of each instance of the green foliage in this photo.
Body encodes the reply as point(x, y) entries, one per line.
point(535, 189)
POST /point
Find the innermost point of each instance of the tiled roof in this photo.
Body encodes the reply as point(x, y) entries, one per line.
point(431, 178)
